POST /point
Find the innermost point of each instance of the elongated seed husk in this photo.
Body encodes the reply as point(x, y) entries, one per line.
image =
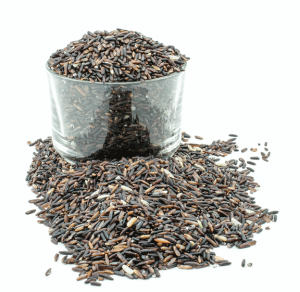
point(185, 267)
point(131, 222)
point(162, 240)
point(48, 272)
point(95, 283)
point(127, 270)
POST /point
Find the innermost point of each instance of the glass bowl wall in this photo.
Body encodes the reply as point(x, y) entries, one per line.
point(114, 120)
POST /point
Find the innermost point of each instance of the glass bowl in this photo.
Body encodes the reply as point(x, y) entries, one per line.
point(114, 120)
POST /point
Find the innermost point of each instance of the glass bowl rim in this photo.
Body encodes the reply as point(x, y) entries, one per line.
point(116, 83)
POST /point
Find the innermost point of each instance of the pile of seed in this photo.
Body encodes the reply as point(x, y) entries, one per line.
point(233, 162)
point(116, 56)
point(134, 217)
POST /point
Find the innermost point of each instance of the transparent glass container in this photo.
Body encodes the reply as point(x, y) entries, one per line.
point(115, 120)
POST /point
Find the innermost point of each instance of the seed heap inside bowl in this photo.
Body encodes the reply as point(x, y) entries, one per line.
point(133, 217)
point(116, 56)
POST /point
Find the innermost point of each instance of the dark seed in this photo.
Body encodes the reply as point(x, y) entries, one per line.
point(243, 263)
point(65, 252)
point(64, 259)
point(254, 158)
point(48, 272)
point(56, 257)
point(273, 212)
point(95, 283)
point(30, 211)
point(250, 162)
point(54, 240)
point(106, 276)
point(259, 230)
point(198, 137)
point(233, 135)
point(129, 276)
point(251, 169)
point(244, 150)
point(225, 263)
point(77, 270)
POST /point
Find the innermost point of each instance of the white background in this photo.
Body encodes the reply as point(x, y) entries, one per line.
point(243, 78)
